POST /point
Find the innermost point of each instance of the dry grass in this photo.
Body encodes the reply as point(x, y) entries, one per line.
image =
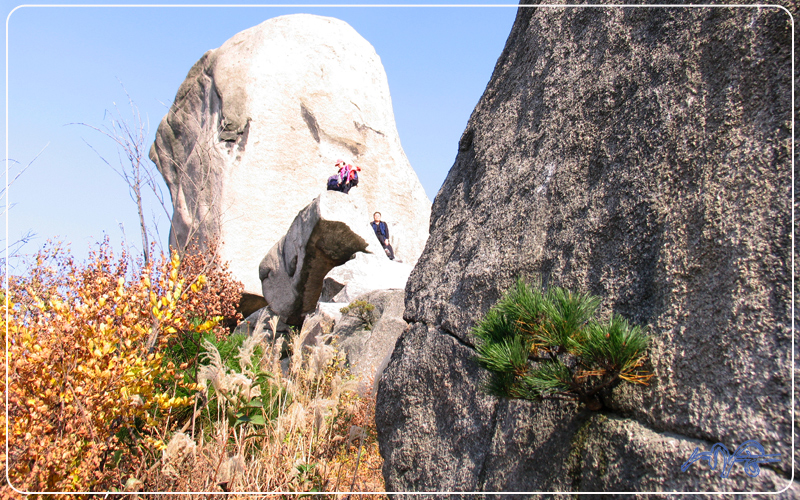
point(320, 437)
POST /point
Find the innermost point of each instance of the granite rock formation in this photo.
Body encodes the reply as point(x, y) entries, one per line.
point(325, 234)
point(365, 273)
point(255, 130)
point(259, 320)
point(641, 155)
point(368, 351)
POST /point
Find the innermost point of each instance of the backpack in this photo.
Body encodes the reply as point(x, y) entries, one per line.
point(354, 180)
point(333, 183)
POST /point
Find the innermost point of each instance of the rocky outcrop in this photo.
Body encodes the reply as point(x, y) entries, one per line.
point(325, 234)
point(258, 321)
point(365, 273)
point(255, 130)
point(368, 349)
point(641, 155)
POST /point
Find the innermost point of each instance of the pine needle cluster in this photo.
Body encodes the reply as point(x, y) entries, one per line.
point(549, 344)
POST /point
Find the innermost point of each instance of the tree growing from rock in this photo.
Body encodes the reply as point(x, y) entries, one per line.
point(363, 310)
point(549, 345)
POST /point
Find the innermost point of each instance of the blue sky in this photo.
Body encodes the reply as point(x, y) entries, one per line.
point(68, 65)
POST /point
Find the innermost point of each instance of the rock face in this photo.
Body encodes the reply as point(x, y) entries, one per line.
point(255, 130)
point(329, 254)
point(365, 273)
point(325, 234)
point(641, 155)
point(369, 350)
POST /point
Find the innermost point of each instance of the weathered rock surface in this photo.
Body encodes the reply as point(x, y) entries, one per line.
point(256, 128)
point(641, 155)
point(365, 273)
point(325, 234)
point(259, 320)
point(367, 351)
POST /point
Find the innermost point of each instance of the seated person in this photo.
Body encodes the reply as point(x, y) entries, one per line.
point(382, 232)
point(346, 178)
point(337, 182)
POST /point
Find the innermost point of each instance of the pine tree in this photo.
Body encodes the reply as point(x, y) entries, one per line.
point(549, 345)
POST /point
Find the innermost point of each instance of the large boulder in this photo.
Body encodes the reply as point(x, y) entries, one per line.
point(325, 234)
point(643, 156)
point(255, 130)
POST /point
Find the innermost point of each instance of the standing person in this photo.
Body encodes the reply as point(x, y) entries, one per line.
point(382, 232)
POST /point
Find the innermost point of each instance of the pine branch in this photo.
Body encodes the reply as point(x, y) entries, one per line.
point(523, 337)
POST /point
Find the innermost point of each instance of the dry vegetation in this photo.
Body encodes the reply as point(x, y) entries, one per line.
point(122, 378)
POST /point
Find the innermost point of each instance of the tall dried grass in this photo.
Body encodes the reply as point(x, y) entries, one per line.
point(318, 433)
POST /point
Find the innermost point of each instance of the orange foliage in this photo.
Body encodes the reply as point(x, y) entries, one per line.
point(221, 294)
point(89, 390)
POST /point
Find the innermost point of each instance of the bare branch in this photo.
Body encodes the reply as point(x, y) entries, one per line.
point(13, 249)
point(130, 140)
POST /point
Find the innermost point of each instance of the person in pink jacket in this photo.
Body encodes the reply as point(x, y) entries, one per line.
point(346, 178)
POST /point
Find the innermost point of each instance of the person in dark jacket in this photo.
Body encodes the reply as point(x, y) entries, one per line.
point(382, 232)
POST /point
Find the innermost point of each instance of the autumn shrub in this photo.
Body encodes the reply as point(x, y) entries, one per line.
point(90, 391)
point(222, 292)
point(217, 299)
point(121, 379)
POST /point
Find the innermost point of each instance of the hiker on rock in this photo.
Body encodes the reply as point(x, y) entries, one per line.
point(382, 232)
point(346, 178)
